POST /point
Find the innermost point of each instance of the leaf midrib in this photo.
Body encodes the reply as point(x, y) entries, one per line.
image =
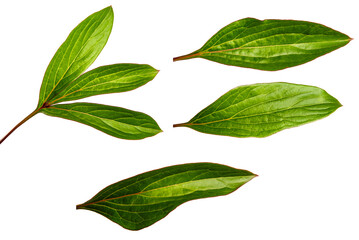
point(217, 110)
point(100, 118)
point(258, 47)
point(156, 189)
point(95, 85)
point(254, 115)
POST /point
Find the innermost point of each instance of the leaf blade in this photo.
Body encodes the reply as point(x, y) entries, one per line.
point(260, 110)
point(107, 79)
point(142, 200)
point(269, 44)
point(77, 53)
point(115, 121)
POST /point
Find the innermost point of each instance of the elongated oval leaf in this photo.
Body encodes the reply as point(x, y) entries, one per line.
point(77, 53)
point(107, 79)
point(142, 200)
point(270, 44)
point(260, 110)
point(115, 121)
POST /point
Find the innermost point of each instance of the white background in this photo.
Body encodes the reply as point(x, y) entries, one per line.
point(308, 176)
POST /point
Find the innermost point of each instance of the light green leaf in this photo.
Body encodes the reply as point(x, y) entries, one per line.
point(142, 200)
point(107, 79)
point(76, 54)
point(270, 44)
point(115, 121)
point(260, 110)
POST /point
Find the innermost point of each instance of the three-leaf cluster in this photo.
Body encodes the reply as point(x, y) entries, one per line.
point(64, 81)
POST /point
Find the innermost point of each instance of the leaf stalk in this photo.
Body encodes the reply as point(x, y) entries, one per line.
point(185, 57)
point(20, 123)
point(180, 125)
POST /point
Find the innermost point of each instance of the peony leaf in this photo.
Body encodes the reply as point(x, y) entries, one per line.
point(107, 79)
point(142, 200)
point(115, 121)
point(260, 110)
point(269, 44)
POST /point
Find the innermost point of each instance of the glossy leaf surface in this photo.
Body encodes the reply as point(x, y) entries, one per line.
point(260, 110)
point(107, 79)
point(142, 200)
point(270, 44)
point(115, 121)
point(76, 54)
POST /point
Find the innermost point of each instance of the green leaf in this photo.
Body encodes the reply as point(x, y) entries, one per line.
point(107, 79)
point(62, 82)
point(142, 200)
point(260, 110)
point(115, 121)
point(270, 44)
point(76, 54)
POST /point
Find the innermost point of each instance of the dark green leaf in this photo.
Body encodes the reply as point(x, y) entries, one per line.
point(76, 54)
point(115, 121)
point(107, 79)
point(270, 44)
point(260, 110)
point(140, 201)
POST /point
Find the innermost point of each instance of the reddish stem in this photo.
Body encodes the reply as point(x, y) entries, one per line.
point(184, 57)
point(20, 123)
point(180, 125)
